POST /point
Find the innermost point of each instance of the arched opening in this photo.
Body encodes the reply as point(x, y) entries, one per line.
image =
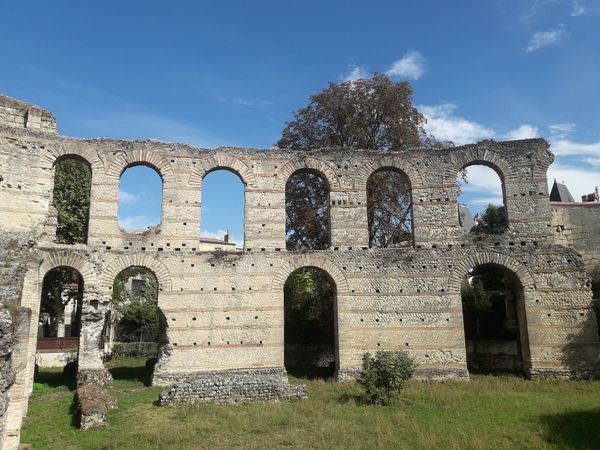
point(59, 321)
point(222, 213)
point(389, 209)
point(307, 222)
point(494, 320)
point(310, 325)
point(134, 325)
point(481, 200)
point(140, 198)
point(71, 198)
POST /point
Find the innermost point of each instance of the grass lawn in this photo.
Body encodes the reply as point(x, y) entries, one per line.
point(488, 412)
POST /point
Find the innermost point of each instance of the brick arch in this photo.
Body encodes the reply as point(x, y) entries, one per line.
point(388, 162)
point(72, 148)
point(222, 161)
point(478, 258)
point(139, 260)
point(142, 157)
point(310, 260)
point(323, 168)
point(69, 259)
point(462, 158)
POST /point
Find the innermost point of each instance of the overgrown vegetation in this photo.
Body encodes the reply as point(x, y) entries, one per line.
point(385, 374)
point(492, 221)
point(134, 310)
point(71, 198)
point(488, 412)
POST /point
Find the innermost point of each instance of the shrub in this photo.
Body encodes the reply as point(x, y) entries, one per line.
point(385, 374)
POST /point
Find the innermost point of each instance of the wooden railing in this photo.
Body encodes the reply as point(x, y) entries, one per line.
point(62, 343)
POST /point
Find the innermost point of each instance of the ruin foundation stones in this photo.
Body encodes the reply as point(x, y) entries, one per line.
point(223, 309)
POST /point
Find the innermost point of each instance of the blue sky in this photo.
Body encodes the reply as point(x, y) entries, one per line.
point(231, 73)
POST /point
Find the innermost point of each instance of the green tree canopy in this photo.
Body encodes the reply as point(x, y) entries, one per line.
point(71, 198)
point(493, 221)
point(135, 310)
point(373, 113)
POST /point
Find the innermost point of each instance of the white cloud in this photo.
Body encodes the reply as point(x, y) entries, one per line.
point(243, 102)
point(578, 9)
point(128, 198)
point(592, 161)
point(487, 200)
point(136, 223)
point(566, 147)
point(411, 66)
point(561, 130)
point(445, 126)
point(482, 179)
point(580, 181)
point(544, 38)
point(525, 131)
point(356, 73)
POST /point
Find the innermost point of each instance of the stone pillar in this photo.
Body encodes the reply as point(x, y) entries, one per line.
point(15, 407)
point(90, 366)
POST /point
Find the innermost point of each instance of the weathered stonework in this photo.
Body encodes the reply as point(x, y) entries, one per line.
point(7, 373)
point(93, 404)
point(223, 310)
point(577, 225)
point(233, 386)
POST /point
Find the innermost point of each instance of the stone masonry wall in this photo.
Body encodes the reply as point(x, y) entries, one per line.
point(577, 225)
point(19, 114)
point(7, 373)
point(224, 309)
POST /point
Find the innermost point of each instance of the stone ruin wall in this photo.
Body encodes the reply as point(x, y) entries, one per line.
point(577, 225)
point(224, 310)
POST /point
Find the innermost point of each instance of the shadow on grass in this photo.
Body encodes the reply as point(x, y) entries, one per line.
point(574, 429)
point(316, 373)
point(55, 379)
point(139, 374)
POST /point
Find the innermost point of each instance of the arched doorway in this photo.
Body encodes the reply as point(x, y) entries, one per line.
point(222, 209)
point(310, 323)
point(134, 327)
point(59, 320)
point(140, 198)
point(481, 199)
point(494, 320)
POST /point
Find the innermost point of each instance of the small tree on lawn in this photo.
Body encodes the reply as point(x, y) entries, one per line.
point(385, 375)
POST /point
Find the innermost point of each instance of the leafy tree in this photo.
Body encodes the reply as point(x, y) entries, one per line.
point(389, 209)
point(493, 221)
point(385, 375)
point(58, 290)
point(371, 113)
point(135, 311)
point(71, 198)
point(307, 208)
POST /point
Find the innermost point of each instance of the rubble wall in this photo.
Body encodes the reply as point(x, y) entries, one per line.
point(577, 225)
